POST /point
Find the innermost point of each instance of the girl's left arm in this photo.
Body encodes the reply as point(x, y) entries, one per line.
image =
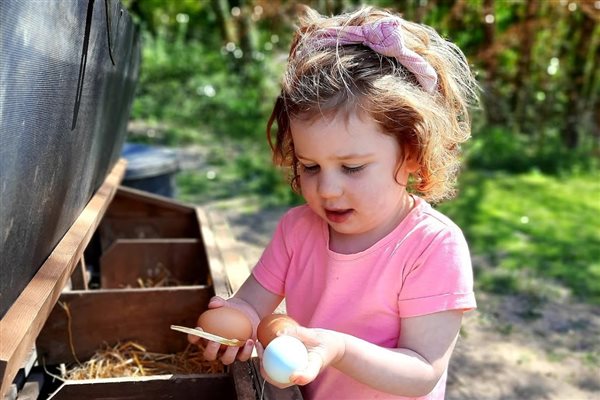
point(412, 369)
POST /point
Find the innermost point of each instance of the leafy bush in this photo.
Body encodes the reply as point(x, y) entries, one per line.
point(189, 84)
point(499, 148)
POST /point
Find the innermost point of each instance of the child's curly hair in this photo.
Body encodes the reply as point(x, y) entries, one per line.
point(326, 80)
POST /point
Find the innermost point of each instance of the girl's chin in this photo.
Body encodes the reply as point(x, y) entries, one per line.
point(346, 229)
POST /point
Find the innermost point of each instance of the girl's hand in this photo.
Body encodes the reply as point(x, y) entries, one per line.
point(325, 348)
point(228, 354)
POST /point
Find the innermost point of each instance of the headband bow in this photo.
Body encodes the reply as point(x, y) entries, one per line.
point(384, 37)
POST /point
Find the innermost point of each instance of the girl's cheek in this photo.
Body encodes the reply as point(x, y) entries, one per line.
point(305, 182)
point(307, 187)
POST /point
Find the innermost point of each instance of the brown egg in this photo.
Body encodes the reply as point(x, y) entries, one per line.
point(270, 325)
point(226, 322)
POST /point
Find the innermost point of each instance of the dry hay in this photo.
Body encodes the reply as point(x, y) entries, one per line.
point(133, 360)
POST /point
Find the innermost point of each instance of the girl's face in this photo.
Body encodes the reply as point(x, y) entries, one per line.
point(347, 176)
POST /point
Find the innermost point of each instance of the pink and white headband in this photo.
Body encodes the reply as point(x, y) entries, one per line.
point(384, 37)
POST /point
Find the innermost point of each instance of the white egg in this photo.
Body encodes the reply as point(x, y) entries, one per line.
point(283, 356)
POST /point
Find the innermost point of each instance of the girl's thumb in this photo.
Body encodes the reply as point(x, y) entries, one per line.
point(306, 336)
point(216, 302)
point(313, 368)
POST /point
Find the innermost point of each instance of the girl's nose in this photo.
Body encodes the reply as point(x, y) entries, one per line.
point(329, 186)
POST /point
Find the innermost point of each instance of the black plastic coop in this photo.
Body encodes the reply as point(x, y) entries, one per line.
point(68, 71)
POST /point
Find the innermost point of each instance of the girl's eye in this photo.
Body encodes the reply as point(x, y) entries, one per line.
point(353, 170)
point(310, 169)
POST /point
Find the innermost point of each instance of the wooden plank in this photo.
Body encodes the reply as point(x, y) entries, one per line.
point(119, 315)
point(23, 321)
point(145, 203)
point(242, 379)
point(217, 268)
point(236, 266)
point(80, 277)
point(32, 387)
point(11, 393)
point(172, 387)
point(136, 214)
point(175, 261)
point(268, 391)
point(146, 227)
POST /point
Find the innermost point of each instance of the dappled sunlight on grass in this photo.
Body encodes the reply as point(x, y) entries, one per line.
point(543, 225)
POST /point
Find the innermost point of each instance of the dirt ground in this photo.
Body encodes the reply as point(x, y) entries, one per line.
point(509, 349)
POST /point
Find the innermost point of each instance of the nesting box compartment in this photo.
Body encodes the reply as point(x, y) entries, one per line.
point(84, 320)
point(143, 316)
point(146, 240)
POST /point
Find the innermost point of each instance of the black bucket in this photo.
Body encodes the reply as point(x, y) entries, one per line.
point(150, 168)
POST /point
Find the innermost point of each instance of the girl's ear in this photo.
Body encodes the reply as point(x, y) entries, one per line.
point(411, 164)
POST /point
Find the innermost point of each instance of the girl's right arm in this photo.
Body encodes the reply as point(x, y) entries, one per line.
point(253, 300)
point(262, 301)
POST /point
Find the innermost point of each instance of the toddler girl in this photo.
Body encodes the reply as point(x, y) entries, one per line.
point(370, 119)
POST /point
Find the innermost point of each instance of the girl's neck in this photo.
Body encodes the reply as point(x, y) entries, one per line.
point(351, 244)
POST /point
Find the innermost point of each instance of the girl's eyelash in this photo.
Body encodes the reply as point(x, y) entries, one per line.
point(313, 169)
point(310, 168)
point(353, 170)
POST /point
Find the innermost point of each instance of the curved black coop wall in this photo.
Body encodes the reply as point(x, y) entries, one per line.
point(68, 70)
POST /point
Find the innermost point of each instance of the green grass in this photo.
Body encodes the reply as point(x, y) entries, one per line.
point(233, 171)
point(530, 226)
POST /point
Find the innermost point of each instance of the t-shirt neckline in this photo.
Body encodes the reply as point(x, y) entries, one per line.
point(417, 208)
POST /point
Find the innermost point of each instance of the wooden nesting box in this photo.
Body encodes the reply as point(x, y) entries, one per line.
point(129, 236)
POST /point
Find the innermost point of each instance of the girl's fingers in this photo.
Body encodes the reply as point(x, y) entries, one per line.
point(259, 349)
point(211, 350)
point(315, 363)
point(193, 339)
point(306, 335)
point(216, 302)
point(246, 352)
point(229, 354)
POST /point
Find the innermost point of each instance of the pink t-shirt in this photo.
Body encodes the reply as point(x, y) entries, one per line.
point(421, 267)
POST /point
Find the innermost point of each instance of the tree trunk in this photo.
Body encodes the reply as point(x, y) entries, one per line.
point(583, 23)
point(521, 89)
point(455, 17)
point(246, 30)
point(222, 8)
point(493, 106)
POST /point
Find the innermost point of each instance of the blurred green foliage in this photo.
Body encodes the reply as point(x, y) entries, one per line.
point(497, 148)
point(192, 85)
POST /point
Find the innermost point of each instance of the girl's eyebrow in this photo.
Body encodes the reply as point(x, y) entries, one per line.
point(354, 156)
point(342, 157)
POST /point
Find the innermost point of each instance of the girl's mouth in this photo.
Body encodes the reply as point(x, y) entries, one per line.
point(338, 216)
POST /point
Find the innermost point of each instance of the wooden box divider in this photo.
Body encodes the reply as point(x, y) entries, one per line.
point(131, 262)
point(135, 214)
point(167, 387)
point(105, 316)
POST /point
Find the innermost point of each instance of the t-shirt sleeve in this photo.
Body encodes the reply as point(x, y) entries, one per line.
point(272, 267)
point(440, 279)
